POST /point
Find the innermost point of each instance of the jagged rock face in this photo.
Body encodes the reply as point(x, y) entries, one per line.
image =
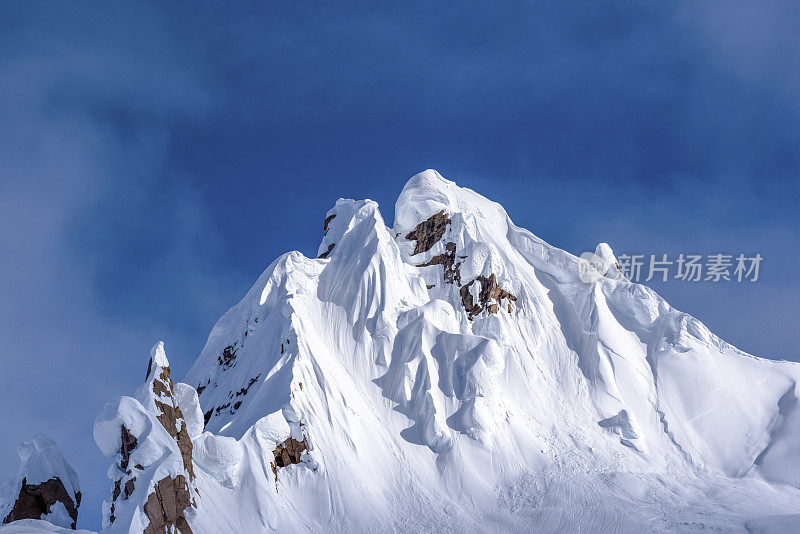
point(228, 357)
point(128, 444)
point(452, 268)
point(325, 254)
point(37, 500)
point(328, 220)
point(429, 232)
point(288, 452)
point(171, 418)
point(166, 505)
point(45, 487)
point(151, 438)
point(129, 487)
point(490, 296)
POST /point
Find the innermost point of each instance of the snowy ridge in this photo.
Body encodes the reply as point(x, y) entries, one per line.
point(453, 373)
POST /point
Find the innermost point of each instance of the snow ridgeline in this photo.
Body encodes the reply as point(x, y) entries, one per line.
point(453, 373)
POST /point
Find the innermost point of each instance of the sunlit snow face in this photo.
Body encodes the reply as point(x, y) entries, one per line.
point(592, 267)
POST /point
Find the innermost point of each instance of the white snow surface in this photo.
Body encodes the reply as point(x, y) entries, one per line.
point(37, 526)
point(577, 407)
point(40, 461)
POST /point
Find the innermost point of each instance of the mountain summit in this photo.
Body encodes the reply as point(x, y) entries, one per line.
point(454, 374)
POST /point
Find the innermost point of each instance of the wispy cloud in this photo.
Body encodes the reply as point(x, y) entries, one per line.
point(87, 105)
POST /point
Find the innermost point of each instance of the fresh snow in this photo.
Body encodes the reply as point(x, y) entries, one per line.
point(37, 526)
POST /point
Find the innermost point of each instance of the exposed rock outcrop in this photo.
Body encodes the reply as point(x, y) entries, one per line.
point(128, 444)
point(328, 220)
point(228, 356)
point(490, 296)
point(46, 487)
point(166, 506)
point(169, 412)
point(37, 500)
point(172, 495)
point(130, 485)
point(452, 269)
point(289, 452)
point(325, 254)
point(429, 232)
point(163, 417)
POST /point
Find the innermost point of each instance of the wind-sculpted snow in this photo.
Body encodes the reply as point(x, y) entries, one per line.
point(453, 373)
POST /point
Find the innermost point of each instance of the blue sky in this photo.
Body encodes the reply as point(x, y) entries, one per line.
point(155, 157)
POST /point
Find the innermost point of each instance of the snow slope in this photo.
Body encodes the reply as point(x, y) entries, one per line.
point(37, 526)
point(453, 373)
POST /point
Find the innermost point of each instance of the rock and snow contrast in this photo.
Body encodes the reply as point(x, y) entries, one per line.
point(150, 438)
point(45, 490)
point(453, 374)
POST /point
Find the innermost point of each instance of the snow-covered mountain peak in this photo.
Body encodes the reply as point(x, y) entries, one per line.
point(344, 217)
point(453, 372)
point(158, 358)
point(41, 460)
point(604, 251)
point(428, 193)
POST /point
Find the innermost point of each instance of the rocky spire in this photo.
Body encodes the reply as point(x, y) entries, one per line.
point(152, 441)
point(158, 397)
